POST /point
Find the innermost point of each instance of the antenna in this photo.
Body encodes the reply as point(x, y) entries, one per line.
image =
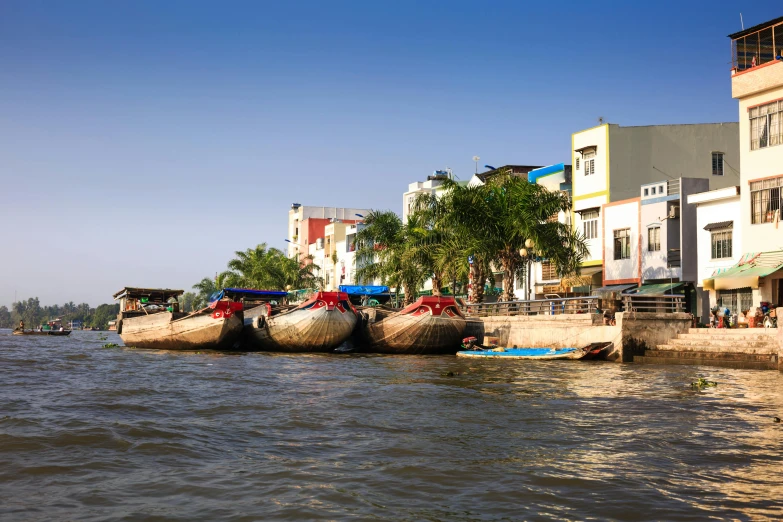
point(741, 22)
point(600, 120)
point(476, 159)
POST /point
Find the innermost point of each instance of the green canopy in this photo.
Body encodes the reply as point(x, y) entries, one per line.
point(659, 289)
point(747, 272)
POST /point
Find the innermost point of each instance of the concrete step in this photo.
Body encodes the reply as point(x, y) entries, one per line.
point(732, 338)
point(727, 356)
point(738, 348)
point(734, 331)
point(724, 343)
point(747, 365)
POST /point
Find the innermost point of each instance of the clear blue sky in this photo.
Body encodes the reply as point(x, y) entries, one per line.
point(141, 143)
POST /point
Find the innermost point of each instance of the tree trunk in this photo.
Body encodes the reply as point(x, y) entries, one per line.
point(437, 282)
point(410, 293)
point(508, 279)
point(476, 284)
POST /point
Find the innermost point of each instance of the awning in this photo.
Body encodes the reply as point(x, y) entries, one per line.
point(748, 272)
point(589, 209)
point(582, 150)
point(611, 291)
point(719, 225)
point(658, 289)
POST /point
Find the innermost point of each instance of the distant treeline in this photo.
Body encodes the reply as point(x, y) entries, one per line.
point(33, 314)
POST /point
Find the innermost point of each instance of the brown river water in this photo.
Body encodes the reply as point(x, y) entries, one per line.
point(92, 433)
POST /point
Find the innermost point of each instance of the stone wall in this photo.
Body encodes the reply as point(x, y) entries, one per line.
point(633, 333)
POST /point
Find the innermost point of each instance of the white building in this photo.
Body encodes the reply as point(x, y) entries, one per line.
point(717, 219)
point(757, 84)
point(433, 185)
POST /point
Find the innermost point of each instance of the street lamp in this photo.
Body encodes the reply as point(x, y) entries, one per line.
point(476, 159)
point(527, 254)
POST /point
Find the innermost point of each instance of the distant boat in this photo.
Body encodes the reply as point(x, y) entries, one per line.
point(148, 320)
point(431, 325)
point(320, 324)
point(41, 332)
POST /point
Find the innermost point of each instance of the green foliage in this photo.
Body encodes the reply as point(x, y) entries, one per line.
point(390, 250)
point(270, 269)
point(186, 301)
point(33, 314)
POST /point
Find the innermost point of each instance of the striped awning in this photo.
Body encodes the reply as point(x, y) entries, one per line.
point(748, 272)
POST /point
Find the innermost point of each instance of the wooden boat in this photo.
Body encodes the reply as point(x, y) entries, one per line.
point(41, 332)
point(148, 320)
point(431, 325)
point(541, 354)
point(320, 324)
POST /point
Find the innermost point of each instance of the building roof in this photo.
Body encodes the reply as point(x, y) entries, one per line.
point(756, 28)
point(158, 293)
point(516, 170)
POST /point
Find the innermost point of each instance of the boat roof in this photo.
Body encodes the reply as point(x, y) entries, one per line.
point(248, 292)
point(155, 293)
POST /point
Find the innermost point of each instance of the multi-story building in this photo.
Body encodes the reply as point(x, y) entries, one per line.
point(650, 241)
point(515, 170)
point(433, 185)
point(717, 224)
point(612, 162)
point(306, 224)
point(757, 84)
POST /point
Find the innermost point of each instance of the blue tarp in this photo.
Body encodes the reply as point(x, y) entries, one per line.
point(231, 292)
point(364, 290)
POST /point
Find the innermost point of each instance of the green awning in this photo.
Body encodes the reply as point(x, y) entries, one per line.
point(659, 289)
point(748, 272)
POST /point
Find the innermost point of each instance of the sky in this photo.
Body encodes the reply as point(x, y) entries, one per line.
point(143, 142)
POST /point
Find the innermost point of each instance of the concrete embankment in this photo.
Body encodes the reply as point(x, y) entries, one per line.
point(633, 333)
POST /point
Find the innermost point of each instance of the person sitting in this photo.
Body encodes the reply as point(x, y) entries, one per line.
point(21, 325)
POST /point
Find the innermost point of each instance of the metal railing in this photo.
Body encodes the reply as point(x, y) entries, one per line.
point(562, 305)
point(664, 304)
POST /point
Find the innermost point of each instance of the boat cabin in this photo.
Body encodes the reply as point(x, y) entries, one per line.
point(250, 297)
point(135, 302)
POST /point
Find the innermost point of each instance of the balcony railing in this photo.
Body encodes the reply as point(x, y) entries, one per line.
point(558, 306)
point(663, 304)
point(757, 48)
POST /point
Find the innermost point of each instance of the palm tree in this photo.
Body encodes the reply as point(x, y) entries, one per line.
point(390, 251)
point(507, 212)
point(206, 287)
point(270, 269)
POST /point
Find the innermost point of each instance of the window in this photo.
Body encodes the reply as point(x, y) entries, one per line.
point(653, 239)
point(765, 126)
point(740, 299)
point(717, 164)
point(577, 163)
point(589, 158)
point(721, 244)
point(548, 271)
point(646, 192)
point(765, 200)
point(622, 243)
point(652, 190)
point(590, 224)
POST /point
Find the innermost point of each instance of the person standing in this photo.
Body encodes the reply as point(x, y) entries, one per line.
point(21, 325)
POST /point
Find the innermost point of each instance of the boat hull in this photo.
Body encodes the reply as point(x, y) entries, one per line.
point(161, 331)
point(301, 330)
point(431, 325)
point(540, 354)
point(49, 332)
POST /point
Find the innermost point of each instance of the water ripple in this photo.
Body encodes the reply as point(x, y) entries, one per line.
point(88, 433)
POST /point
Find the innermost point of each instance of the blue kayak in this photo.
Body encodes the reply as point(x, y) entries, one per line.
point(544, 354)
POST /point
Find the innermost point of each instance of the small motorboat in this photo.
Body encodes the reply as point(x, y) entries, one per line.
point(542, 354)
point(41, 332)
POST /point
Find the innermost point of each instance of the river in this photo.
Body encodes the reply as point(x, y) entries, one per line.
point(93, 433)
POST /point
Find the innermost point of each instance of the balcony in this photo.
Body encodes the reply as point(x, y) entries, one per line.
point(756, 59)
